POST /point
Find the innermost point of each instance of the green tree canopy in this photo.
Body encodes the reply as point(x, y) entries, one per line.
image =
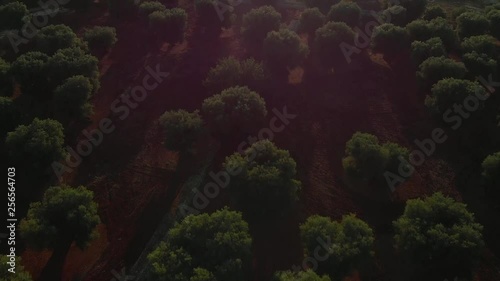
point(169, 24)
point(434, 69)
point(472, 23)
point(345, 11)
point(491, 171)
point(284, 49)
point(234, 109)
point(420, 51)
point(421, 30)
point(438, 232)
point(414, 8)
point(209, 17)
point(366, 158)
point(389, 39)
point(100, 37)
point(30, 71)
point(311, 19)
point(433, 12)
point(13, 16)
point(67, 63)
point(480, 43)
point(258, 22)
point(64, 214)
point(182, 129)
point(71, 100)
point(480, 64)
point(323, 5)
point(308, 275)
point(450, 91)
point(52, 38)
point(36, 145)
point(205, 248)
point(397, 15)
point(148, 7)
point(230, 72)
point(347, 244)
point(266, 185)
point(330, 40)
point(6, 88)
point(494, 18)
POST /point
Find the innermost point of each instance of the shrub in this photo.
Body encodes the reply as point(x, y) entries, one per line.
point(52, 38)
point(347, 244)
point(100, 37)
point(480, 64)
point(481, 43)
point(71, 100)
point(311, 19)
point(284, 49)
point(434, 69)
point(439, 233)
point(230, 72)
point(450, 91)
point(169, 24)
point(181, 129)
point(258, 22)
point(29, 70)
point(420, 51)
point(235, 109)
point(472, 23)
point(266, 185)
point(346, 12)
point(434, 12)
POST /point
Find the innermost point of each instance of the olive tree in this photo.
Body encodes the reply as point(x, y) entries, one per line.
point(390, 40)
point(205, 247)
point(434, 69)
point(30, 72)
point(265, 184)
point(52, 38)
point(41, 142)
point(169, 24)
point(347, 245)
point(310, 20)
point(420, 51)
point(283, 49)
point(345, 11)
point(367, 159)
point(433, 12)
point(182, 129)
point(71, 100)
point(258, 22)
point(485, 44)
point(100, 38)
point(439, 233)
point(234, 109)
point(472, 23)
point(494, 18)
point(450, 91)
point(63, 216)
point(230, 72)
point(491, 172)
point(479, 64)
point(66, 63)
point(13, 16)
point(331, 43)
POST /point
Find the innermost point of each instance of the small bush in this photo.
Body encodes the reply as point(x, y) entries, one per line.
point(100, 37)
